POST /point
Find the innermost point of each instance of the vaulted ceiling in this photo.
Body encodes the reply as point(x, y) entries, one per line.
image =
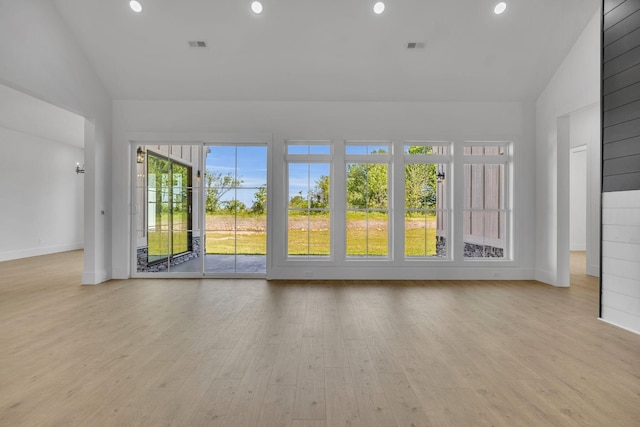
point(316, 50)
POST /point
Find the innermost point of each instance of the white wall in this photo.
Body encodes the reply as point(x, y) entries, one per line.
point(621, 259)
point(585, 131)
point(578, 199)
point(42, 198)
point(574, 87)
point(198, 120)
point(40, 57)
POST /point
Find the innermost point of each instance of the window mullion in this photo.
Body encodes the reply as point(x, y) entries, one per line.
point(397, 204)
point(339, 202)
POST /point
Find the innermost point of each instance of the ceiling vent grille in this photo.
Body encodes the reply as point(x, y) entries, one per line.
point(197, 43)
point(415, 45)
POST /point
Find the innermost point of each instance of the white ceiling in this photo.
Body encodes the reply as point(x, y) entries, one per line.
point(315, 50)
point(26, 114)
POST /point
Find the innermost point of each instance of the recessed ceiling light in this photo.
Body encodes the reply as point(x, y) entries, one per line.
point(500, 7)
point(256, 7)
point(135, 6)
point(378, 8)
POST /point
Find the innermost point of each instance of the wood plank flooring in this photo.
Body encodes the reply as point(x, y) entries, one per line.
point(307, 354)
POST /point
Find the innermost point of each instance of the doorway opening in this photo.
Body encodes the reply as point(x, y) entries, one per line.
point(578, 209)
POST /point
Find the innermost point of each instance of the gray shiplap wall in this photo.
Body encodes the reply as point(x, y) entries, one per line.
point(621, 95)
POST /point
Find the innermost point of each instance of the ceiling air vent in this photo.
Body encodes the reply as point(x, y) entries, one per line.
point(415, 45)
point(197, 43)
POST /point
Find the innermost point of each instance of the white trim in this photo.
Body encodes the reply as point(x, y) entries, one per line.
point(42, 250)
point(637, 332)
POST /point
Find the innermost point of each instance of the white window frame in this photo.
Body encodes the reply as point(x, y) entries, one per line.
point(437, 159)
point(506, 160)
point(370, 159)
point(307, 159)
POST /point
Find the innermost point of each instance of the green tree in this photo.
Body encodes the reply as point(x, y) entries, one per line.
point(367, 185)
point(216, 186)
point(259, 205)
point(299, 201)
point(420, 182)
point(320, 193)
point(233, 205)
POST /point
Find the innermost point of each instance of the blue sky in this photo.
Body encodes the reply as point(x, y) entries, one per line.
point(248, 163)
point(303, 177)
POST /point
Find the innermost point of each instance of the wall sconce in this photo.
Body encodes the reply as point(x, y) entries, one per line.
point(440, 176)
point(140, 155)
point(198, 175)
point(79, 169)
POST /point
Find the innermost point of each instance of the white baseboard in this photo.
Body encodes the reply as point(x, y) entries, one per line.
point(547, 277)
point(593, 270)
point(44, 250)
point(619, 326)
point(94, 277)
point(398, 273)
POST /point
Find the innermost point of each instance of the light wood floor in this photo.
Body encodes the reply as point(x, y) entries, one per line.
point(247, 352)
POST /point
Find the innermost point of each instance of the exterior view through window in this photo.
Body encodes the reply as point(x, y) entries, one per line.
point(235, 190)
point(309, 202)
point(367, 210)
point(485, 201)
point(202, 208)
point(425, 200)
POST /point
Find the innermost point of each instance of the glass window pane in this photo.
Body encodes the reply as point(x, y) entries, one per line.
point(367, 149)
point(319, 235)
point(367, 186)
point(299, 185)
point(298, 233)
point(251, 238)
point(441, 233)
point(415, 234)
point(221, 239)
point(306, 149)
point(484, 201)
point(474, 237)
point(378, 149)
point(426, 149)
point(356, 149)
point(297, 149)
point(378, 234)
point(320, 149)
point(484, 150)
point(356, 234)
point(221, 160)
point(251, 166)
point(308, 219)
point(319, 185)
point(420, 186)
point(425, 234)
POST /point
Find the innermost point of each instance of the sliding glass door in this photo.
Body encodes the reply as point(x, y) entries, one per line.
point(201, 209)
point(235, 192)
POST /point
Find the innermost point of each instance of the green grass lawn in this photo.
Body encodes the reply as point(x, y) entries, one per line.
point(312, 240)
